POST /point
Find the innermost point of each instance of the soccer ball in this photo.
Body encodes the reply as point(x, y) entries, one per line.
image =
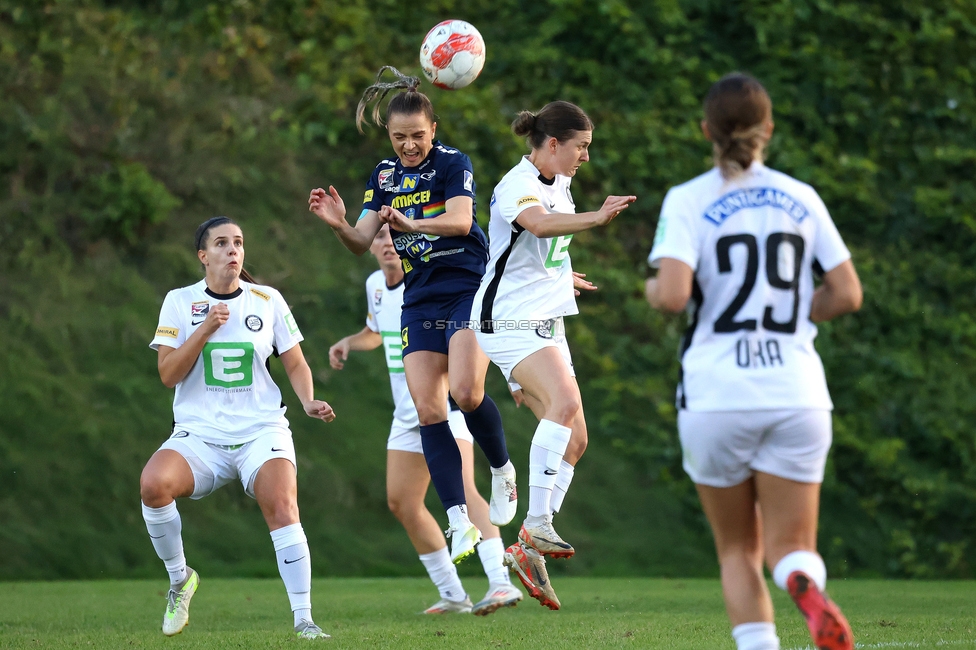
point(452, 54)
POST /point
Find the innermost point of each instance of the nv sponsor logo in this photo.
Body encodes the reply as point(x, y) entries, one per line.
point(409, 182)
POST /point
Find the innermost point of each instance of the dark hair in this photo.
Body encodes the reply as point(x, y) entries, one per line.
point(560, 120)
point(410, 102)
point(737, 109)
point(201, 238)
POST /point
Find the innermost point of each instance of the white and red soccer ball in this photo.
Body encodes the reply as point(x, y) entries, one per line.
point(452, 54)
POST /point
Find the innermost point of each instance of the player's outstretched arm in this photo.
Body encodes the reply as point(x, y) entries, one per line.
point(329, 207)
point(365, 339)
point(553, 224)
point(671, 289)
point(175, 363)
point(300, 376)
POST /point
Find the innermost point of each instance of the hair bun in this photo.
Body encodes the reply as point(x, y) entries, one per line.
point(525, 123)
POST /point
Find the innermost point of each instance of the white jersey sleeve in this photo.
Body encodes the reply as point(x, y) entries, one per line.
point(512, 199)
point(286, 332)
point(371, 321)
point(677, 235)
point(171, 330)
point(829, 250)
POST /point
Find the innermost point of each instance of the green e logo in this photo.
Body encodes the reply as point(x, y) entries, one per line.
point(558, 251)
point(393, 346)
point(228, 365)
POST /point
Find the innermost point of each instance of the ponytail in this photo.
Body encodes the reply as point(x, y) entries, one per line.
point(737, 110)
point(560, 120)
point(410, 102)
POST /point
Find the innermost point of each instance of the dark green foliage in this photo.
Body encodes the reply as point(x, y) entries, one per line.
point(124, 124)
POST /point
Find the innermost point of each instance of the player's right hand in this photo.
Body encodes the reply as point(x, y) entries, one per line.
point(338, 353)
point(613, 206)
point(328, 206)
point(216, 317)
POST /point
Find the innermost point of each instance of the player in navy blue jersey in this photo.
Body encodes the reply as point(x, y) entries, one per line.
point(426, 193)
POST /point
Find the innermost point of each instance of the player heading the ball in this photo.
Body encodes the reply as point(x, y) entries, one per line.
point(426, 193)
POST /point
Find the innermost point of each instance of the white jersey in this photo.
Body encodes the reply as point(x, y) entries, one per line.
point(383, 317)
point(527, 278)
point(228, 397)
point(753, 243)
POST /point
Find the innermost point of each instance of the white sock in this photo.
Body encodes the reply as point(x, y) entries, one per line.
point(563, 479)
point(458, 516)
point(166, 531)
point(755, 636)
point(808, 562)
point(492, 551)
point(444, 575)
point(545, 455)
point(295, 567)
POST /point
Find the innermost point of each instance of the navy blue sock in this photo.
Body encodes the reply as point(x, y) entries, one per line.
point(443, 463)
point(485, 424)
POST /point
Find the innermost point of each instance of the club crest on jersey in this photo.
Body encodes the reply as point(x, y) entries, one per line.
point(378, 298)
point(385, 178)
point(253, 323)
point(409, 182)
point(409, 213)
point(547, 330)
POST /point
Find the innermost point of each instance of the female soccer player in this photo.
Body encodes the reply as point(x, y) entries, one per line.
point(213, 341)
point(426, 194)
point(524, 294)
point(407, 477)
point(743, 242)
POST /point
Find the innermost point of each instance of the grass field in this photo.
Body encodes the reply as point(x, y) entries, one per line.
point(382, 613)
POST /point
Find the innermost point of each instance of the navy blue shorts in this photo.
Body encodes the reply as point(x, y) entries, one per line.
point(430, 326)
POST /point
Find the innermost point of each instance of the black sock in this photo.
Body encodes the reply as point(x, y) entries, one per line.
point(443, 463)
point(485, 424)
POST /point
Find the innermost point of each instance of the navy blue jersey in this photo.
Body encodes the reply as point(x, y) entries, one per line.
point(435, 267)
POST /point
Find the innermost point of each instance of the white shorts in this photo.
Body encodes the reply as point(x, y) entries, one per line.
point(408, 439)
point(724, 448)
point(508, 348)
point(214, 466)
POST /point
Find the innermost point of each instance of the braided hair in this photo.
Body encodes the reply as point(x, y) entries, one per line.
point(410, 102)
point(201, 239)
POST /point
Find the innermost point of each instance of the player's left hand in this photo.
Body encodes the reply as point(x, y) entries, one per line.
point(397, 220)
point(318, 409)
point(580, 284)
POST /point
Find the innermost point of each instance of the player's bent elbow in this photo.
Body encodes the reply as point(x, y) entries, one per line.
point(673, 301)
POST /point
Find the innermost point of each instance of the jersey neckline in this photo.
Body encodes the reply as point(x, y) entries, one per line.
point(224, 296)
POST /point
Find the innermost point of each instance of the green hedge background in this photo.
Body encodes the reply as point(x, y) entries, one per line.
point(124, 124)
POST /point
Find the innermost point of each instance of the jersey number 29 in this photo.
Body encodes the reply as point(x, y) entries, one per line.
point(726, 322)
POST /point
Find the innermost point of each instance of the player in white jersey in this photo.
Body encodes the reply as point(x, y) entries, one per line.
point(527, 289)
point(407, 478)
point(739, 245)
point(213, 341)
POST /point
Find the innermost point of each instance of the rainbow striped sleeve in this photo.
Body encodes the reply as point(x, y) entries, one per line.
point(434, 210)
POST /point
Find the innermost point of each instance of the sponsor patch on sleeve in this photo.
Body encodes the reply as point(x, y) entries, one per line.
point(260, 294)
point(368, 196)
point(169, 332)
point(525, 200)
point(468, 181)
